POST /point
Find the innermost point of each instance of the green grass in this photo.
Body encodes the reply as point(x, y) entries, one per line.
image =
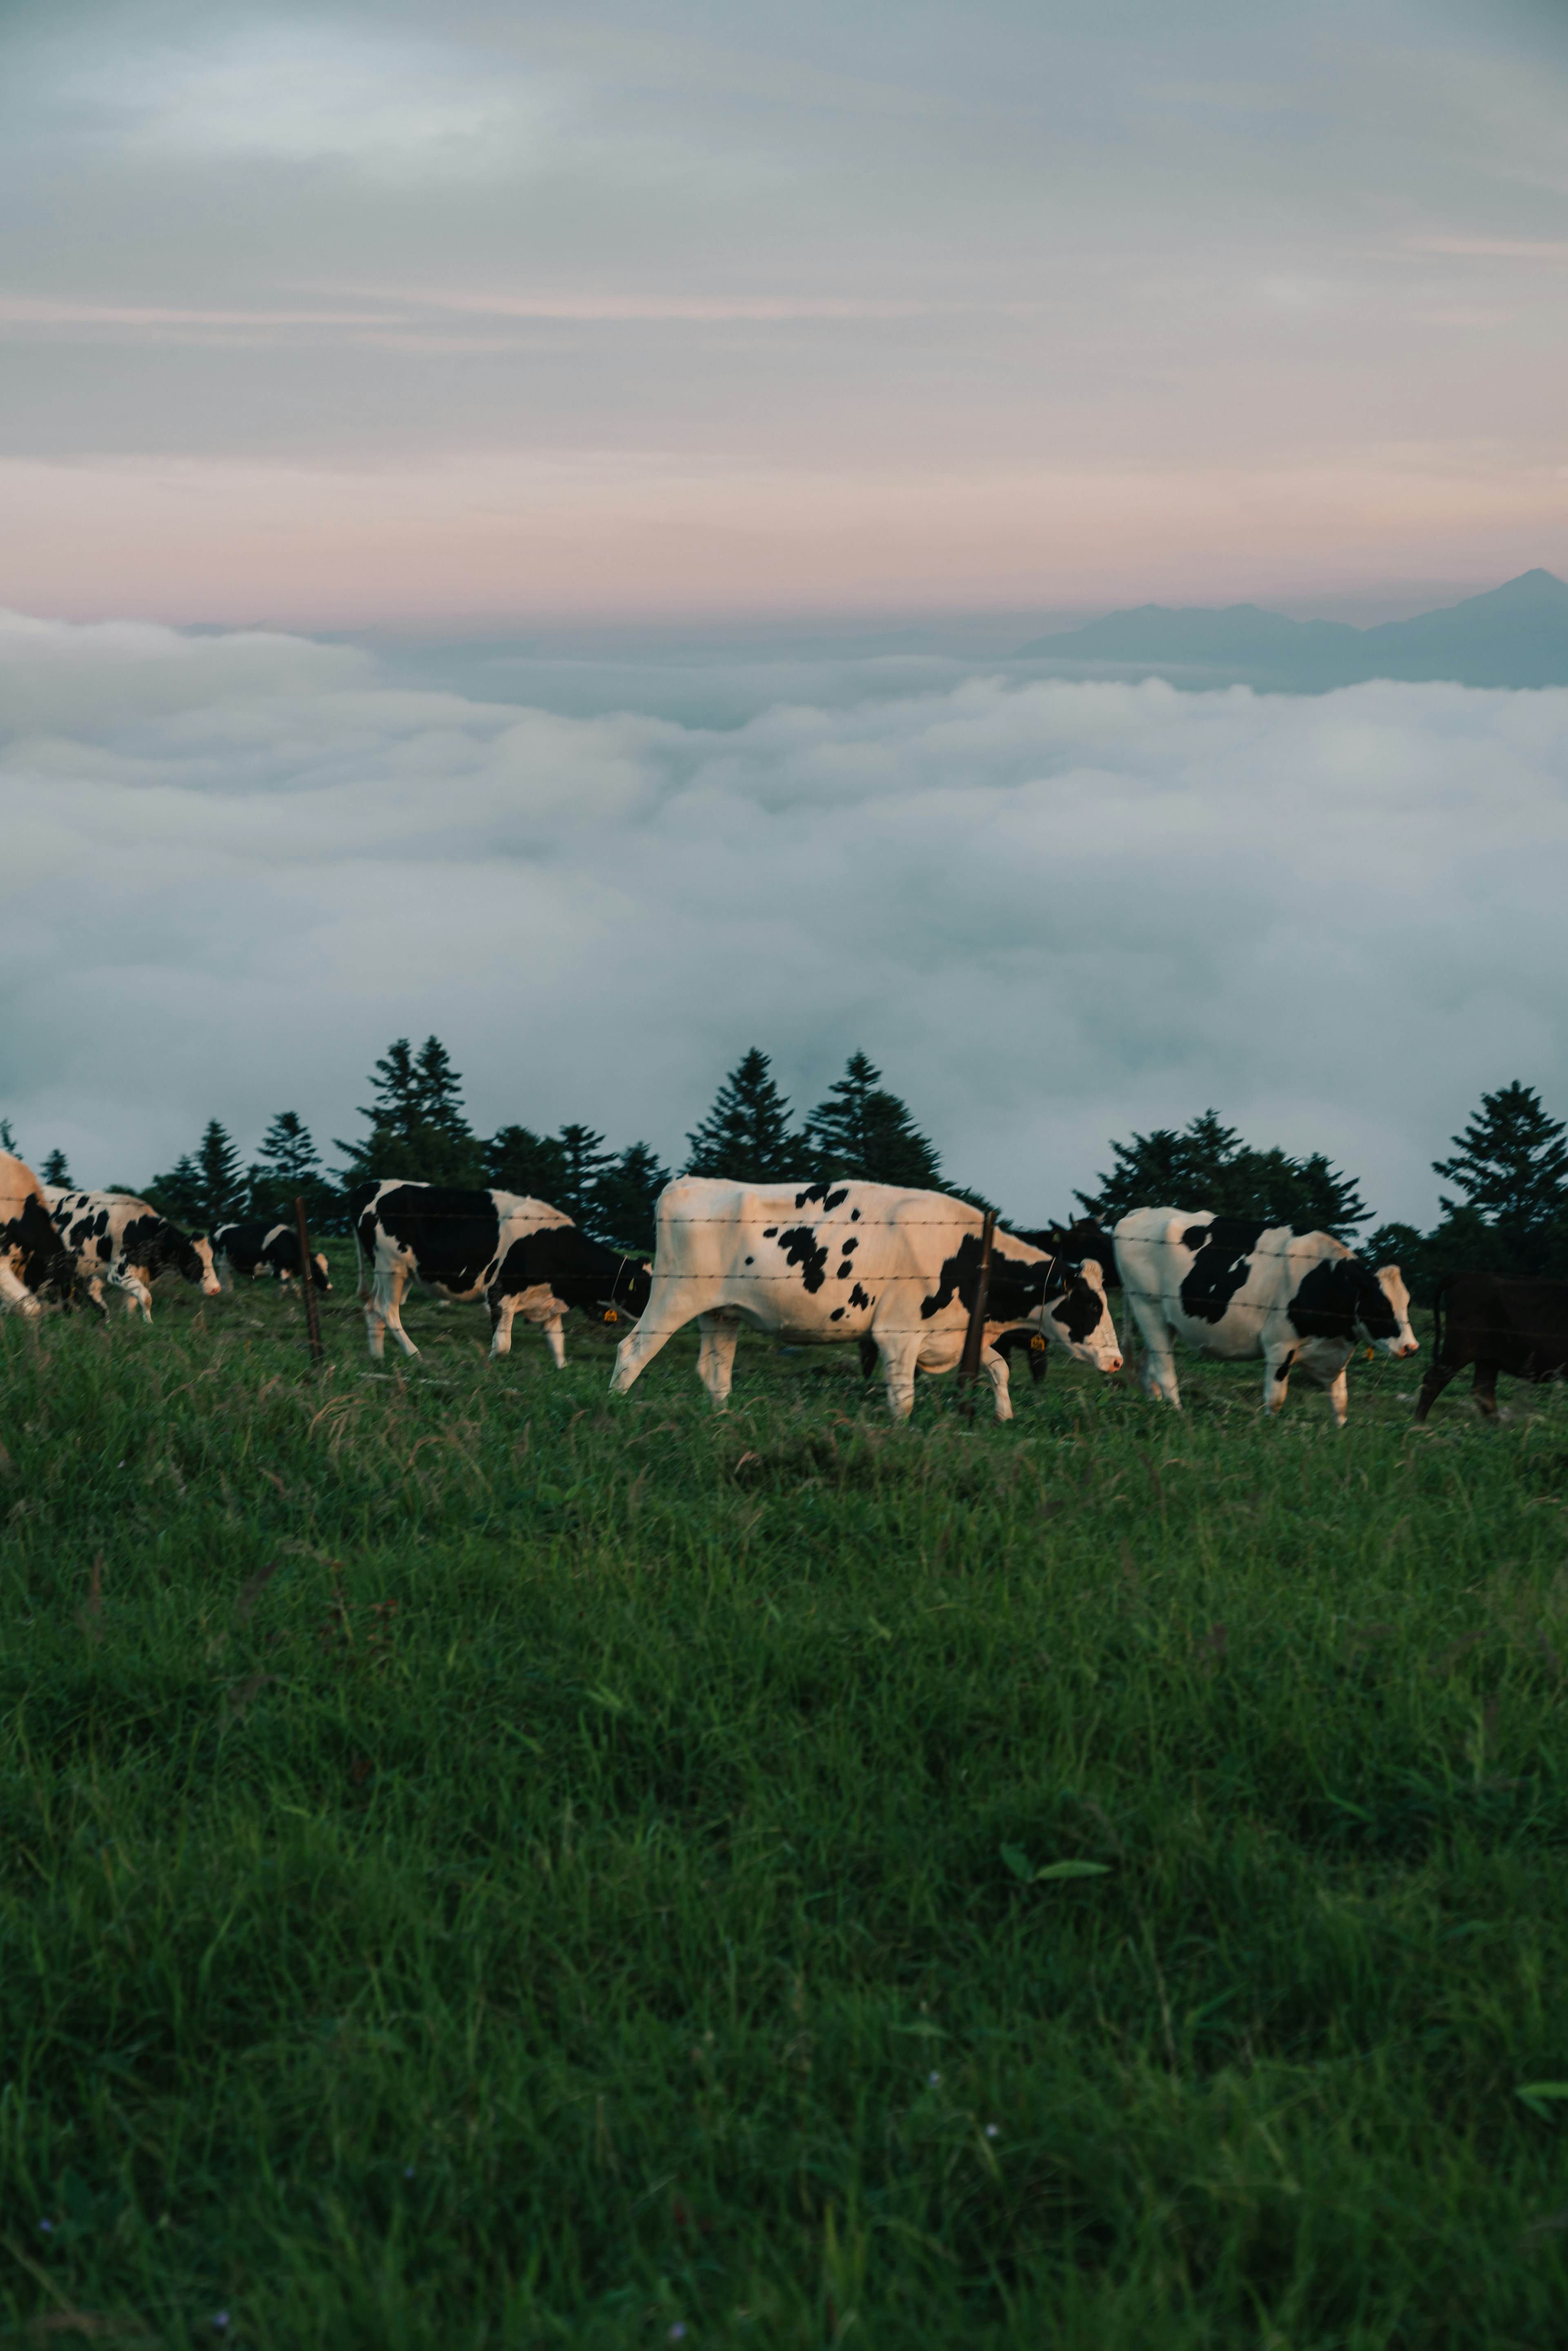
point(485, 1862)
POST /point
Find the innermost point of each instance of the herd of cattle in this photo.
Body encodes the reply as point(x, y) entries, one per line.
point(897, 1272)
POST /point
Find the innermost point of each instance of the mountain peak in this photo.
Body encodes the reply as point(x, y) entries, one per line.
point(1512, 635)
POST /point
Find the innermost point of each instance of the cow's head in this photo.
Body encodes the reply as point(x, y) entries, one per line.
point(1383, 1311)
point(165, 1248)
point(319, 1273)
point(1076, 1315)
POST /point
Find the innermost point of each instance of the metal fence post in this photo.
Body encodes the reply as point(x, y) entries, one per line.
point(974, 1338)
point(308, 1282)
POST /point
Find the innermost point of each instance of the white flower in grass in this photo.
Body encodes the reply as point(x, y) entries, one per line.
point(993, 2130)
point(933, 2080)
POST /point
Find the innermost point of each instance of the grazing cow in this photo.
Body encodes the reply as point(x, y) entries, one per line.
point(1300, 1300)
point(32, 1256)
point(18, 1187)
point(817, 1263)
point(246, 1251)
point(119, 1240)
point(1517, 1327)
point(522, 1256)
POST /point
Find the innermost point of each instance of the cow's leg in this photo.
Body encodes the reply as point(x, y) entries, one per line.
point(1157, 1370)
point(900, 1356)
point(1484, 1388)
point(995, 1367)
point(502, 1309)
point(137, 1294)
point(14, 1292)
point(1339, 1393)
point(658, 1323)
point(1277, 1363)
point(555, 1340)
point(716, 1356)
point(1437, 1377)
point(382, 1313)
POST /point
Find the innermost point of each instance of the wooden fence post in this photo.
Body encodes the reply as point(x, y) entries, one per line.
point(974, 1337)
point(308, 1283)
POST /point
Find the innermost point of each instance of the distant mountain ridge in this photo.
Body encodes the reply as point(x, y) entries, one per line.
point(1515, 635)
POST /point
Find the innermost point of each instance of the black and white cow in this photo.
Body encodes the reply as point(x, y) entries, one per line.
point(1300, 1300)
point(813, 1264)
point(244, 1252)
point(119, 1240)
point(522, 1256)
point(33, 1257)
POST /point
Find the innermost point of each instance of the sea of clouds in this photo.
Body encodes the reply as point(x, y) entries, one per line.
point(236, 865)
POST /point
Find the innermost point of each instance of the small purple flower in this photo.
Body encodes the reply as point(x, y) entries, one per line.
point(48, 2227)
point(220, 2318)
point(408, 2171)
point(678, 2331)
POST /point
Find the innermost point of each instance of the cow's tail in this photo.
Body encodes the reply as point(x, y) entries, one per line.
point(1445, 1284)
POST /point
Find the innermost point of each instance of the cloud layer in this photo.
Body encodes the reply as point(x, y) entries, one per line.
point(236, 865)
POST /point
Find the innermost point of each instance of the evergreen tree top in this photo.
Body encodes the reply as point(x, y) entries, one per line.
point(1510, 1162)
point(745, 1135)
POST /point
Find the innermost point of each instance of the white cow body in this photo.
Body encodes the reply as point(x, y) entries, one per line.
point(1299, 1300)
point(118, 1240)
point(816, 1264)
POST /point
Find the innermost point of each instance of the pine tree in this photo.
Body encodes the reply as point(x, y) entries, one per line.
point(7, 1139)
point(439, 1090)
point(862, 1130)
point(625, 1197)
point(584, 1161)
point(54, 1172)
point(745, 1135)
point(518, 1160)
point(1208, 1166)
point(417, 1127)
point(288, 1167)
point(179, 1195)
point(1511, 1165)
point(222, 1181)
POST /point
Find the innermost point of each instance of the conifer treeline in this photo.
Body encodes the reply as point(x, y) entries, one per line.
point(415, 1127)
point(1509, 1171)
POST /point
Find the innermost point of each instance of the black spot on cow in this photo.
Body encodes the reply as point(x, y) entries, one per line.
point(42, 1261)
point(837, 1315)
point(1015, 1286)
point(858, 1297)
point(751, 1260)
point(855, 1215)
point(850, 1247)
point(1224, 1260)
point(1080, 1309)
point(801, 1247)
point(768, 1231)
point(1337, 1294)
point(452, 1233)
point(829, 1198)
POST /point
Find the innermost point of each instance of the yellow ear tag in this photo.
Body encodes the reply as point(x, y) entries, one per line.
point(1372, 1354)
point(610, 1315)
point(1037, 1345)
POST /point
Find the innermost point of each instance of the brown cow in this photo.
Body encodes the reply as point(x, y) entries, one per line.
point(1517, 1327)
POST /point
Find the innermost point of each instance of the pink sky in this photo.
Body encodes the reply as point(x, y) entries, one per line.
point(360, 319)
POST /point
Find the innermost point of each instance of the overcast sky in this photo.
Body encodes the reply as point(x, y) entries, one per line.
point(1052, 913)
point(335, 315)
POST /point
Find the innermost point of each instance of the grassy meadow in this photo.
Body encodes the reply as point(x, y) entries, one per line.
point(488, 1864)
